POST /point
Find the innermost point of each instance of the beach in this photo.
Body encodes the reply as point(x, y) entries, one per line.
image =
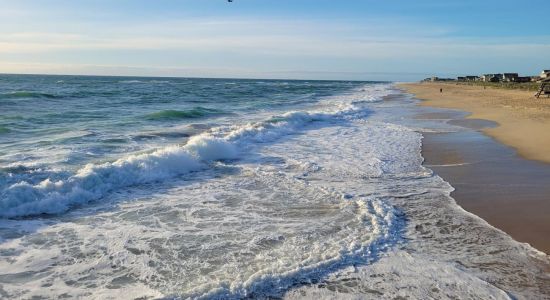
point(524, 121)
point(286, 150)
point(242, 189)
point(510, 191)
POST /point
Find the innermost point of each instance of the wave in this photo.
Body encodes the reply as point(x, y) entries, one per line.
point(130, 81)
point(94, 181)
point(28, 95)
point(146, 81)
point(197, 112)
point(384, 223)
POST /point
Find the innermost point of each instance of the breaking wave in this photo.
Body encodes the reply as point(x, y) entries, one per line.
point(94, 181)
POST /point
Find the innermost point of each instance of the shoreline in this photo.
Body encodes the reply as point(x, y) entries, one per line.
point(490, 179)
point(524, 121)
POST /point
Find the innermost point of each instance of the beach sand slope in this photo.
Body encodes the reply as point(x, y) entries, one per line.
point(524, 121)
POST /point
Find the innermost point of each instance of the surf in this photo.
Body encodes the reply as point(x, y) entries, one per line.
point(95, 181)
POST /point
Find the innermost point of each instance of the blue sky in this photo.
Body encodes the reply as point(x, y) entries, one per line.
point(306, 39)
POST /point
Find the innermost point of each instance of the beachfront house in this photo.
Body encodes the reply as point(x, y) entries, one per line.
point(467, 78)
point(522, 79)
point(508, 77)
point(436, 79)
point(545, 74)
point(490, 78)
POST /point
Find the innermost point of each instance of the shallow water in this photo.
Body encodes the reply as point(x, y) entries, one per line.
point(127, 188)
point(493, 182)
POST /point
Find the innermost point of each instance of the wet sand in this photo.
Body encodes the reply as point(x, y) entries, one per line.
point(524, 121)
point(491, 180)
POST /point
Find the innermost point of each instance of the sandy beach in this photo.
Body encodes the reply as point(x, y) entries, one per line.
point(509, 191)
point(524, 121)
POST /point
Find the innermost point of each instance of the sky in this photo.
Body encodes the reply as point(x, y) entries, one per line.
point(399, 40)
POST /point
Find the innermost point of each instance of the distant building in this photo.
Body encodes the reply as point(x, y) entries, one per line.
point(438, 79)
point(467, 78)
point(545, 74)
point(508, 77)
point(535, 78)
point(490, 78)
point(522, 79)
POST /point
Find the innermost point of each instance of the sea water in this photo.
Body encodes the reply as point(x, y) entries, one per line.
point(126, 188)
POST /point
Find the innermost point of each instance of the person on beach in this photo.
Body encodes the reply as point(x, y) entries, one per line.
point(441, 90)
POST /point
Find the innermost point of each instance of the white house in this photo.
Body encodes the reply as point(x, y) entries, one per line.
point(508, 77)
point(490, 77)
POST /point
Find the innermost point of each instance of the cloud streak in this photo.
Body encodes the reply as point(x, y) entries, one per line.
point(197, 47)
point(271, 43)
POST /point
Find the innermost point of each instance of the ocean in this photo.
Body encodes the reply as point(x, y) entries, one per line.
point(177, 188)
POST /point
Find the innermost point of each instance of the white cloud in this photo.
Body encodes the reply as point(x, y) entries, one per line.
point(269, 44)
point(381, 45)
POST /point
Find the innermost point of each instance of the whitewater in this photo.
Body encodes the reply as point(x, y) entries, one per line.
point(148, 188)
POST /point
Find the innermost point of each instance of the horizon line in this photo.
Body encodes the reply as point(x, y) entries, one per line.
point(194, 77)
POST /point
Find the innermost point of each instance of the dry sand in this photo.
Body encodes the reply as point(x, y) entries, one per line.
point(524, 121)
